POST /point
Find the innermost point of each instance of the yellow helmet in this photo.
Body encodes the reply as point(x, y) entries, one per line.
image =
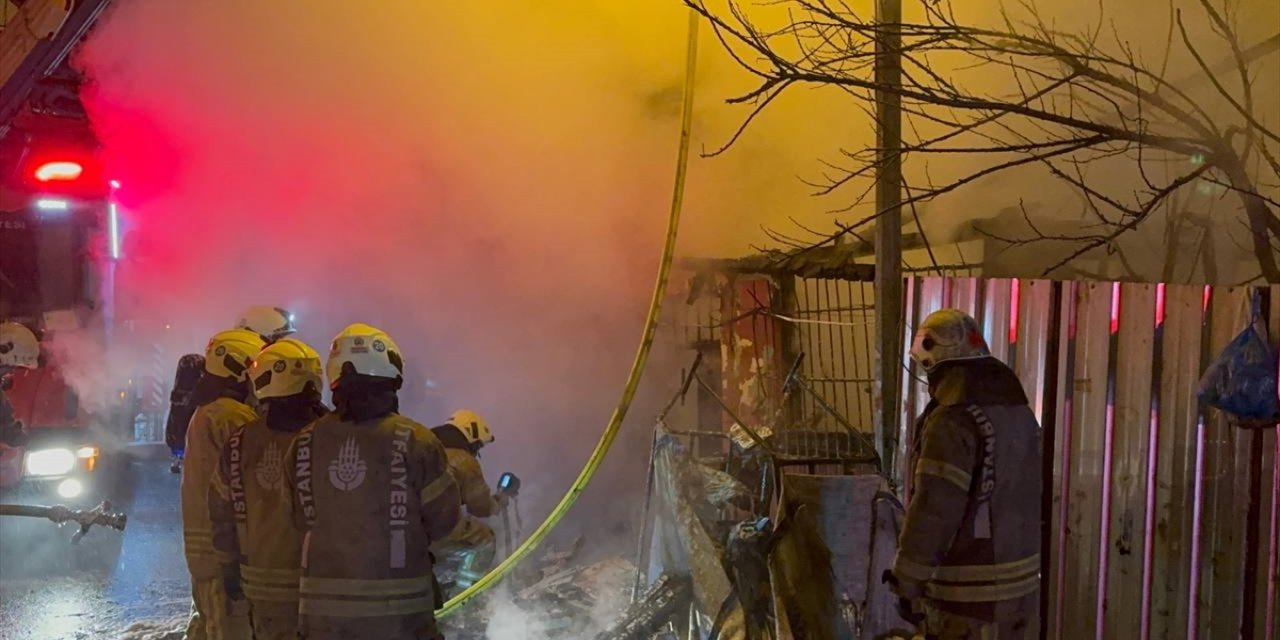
point(365, 350)
point(285, 368)
point(230, 352)
point(473, 427)
point(19, 346)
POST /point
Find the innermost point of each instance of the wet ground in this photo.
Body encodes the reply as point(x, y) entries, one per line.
point(52, 590)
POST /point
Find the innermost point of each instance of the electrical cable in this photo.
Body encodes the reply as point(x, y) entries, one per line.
point(638, 365)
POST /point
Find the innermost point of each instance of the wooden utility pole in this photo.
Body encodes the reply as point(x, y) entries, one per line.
point(889, 320)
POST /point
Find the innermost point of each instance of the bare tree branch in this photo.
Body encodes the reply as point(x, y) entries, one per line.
point(1083, 107)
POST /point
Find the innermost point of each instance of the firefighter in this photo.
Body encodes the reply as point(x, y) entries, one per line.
point(249, 501)
point(372, 490)
point(271, 323)
point(471, 543)
point(182, 406)
point(968, 563)
point(219, 609)
point(19, 348)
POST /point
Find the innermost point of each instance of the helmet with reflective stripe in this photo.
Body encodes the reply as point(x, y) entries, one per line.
point(19, 346)
point(285, 368)
point(364, 350)
point(230, 352)
point(473, 427)
point(272, 323)
point(947, 335)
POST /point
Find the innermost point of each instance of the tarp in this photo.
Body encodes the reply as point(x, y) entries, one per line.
point(682, 540)
point(835, 535)
point(838, 535)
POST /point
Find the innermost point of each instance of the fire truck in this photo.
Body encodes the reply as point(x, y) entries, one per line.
point(59, 240)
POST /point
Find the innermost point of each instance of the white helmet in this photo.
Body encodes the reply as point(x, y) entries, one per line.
point(365, 350)
point(229, 353)
point(272, 323)
point(948, 334)
point(19, 346)
point(473, 427)
point(285, 368)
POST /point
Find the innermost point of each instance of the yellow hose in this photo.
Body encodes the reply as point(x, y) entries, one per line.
point(637, 366)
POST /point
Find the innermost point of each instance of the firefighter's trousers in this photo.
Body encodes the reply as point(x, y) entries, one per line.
point(416, 627)
point(273, 626)
point(214, 616)
point(1015, 620)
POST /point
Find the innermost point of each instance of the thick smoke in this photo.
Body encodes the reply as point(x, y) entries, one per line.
point(487, 181)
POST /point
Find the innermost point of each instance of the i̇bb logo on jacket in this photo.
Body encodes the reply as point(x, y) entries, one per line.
point(270, 471)
point(347, 472)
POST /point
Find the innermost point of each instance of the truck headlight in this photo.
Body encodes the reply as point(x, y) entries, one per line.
point(50, 462)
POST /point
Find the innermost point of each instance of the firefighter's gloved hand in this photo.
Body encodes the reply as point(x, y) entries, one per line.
point(909, 593)
point(231, 583)
point(509, 484)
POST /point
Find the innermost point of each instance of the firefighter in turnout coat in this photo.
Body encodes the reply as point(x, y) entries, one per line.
point(249, 500)
point(371, 490)
point(472, 542)
point(968, 563)
point(218, 613)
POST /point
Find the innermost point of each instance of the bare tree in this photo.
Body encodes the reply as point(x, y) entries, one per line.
point(1069, 103)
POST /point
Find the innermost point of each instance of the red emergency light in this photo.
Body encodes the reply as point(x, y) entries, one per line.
point(60, 170)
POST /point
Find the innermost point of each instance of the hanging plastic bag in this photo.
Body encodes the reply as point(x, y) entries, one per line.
point(1242, 380)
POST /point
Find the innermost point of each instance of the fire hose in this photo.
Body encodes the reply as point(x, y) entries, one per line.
point(100, 515)
point(638, 365)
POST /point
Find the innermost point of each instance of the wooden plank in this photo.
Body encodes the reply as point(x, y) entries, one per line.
point(964, 295)
point(1225, 490)
point(1132, 426)
point(1086, 467)
point(1048, 402)
point(1061, 463)
point(1033, 327)
point(1265, 604)
point(914, 388)
point(1269, 590)
point(1176, 438)
point(995, 317)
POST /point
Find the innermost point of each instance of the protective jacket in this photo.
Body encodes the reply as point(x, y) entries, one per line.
point(971, 538)
point(252, 512)
point(371, 495)
point(466, 469)
point(211, 427)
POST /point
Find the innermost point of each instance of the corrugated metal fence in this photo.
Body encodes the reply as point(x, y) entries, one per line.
point(1163, 518)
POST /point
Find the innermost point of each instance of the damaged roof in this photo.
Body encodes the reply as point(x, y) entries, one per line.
point(827, 261)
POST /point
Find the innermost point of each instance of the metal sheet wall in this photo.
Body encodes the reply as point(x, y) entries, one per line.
point(1158, 512)
point(1154, 531)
